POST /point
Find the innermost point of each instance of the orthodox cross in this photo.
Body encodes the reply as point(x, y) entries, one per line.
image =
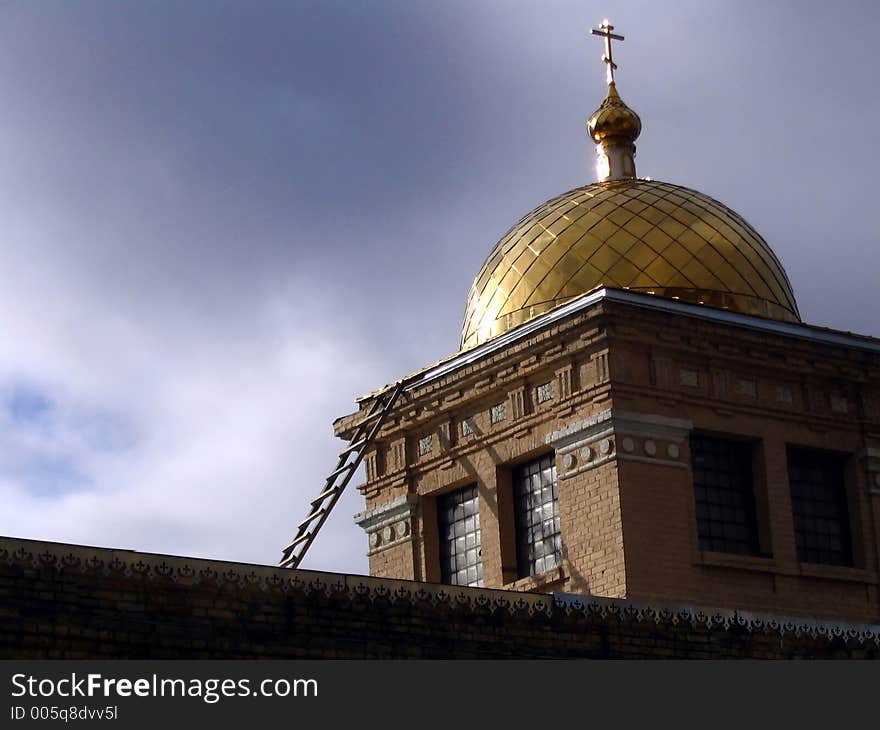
point(604, 30)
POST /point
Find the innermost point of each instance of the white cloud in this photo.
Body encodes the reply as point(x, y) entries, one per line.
point(223, 434)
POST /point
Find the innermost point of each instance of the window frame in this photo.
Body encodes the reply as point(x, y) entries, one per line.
point(451, 561)
point(525, 509)
point(848, 512)
point(756, 542)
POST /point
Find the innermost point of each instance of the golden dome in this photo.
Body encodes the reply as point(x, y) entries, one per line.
point(614, 119)
point(643, 235)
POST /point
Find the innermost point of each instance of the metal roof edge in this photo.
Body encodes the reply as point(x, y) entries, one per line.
point(648, 301)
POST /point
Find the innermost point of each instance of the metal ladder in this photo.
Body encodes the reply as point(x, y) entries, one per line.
point(349, 460)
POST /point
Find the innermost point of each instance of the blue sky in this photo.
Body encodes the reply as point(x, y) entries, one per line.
point(223, 221)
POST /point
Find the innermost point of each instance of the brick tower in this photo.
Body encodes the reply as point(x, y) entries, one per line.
point(636, 410)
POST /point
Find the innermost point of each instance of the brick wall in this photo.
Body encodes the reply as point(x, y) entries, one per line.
point(66, 601)
point(628, 386)
point(589, 508)
point(774, 391)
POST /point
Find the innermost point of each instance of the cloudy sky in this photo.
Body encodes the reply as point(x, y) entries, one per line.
point(223, 221)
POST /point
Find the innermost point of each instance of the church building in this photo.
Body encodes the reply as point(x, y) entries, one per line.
point(636, 411)
point(638, 450)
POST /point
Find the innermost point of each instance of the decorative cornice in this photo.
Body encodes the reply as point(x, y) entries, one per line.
point(390, 523)
point(580, 432)
point(608, 435)
point(619, 422)
point(651, 426)
point(395, 509)
point(28, 555)
point(719, 618)
point(646, 301)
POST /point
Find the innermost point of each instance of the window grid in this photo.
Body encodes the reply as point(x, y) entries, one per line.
point(818, 501)
point(499, 412)
point(544, 392)
point(426, 444)
point(724, 495)
point(461, 560)
point(539, 538)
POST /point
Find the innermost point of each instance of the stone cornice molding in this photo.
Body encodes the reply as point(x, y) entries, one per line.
point(608, 435)
point(615, 421)
point(390, 523)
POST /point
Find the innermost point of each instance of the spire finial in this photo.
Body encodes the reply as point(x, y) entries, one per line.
point(614, 127)
point(604, 30)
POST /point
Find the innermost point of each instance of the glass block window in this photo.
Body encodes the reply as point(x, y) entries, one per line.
point(468, 426)
point(725, 495)
point(818, 500)
point(499, 412)
point(544, 392)
point(538, 535)
point(461, 561)
point(426, 443)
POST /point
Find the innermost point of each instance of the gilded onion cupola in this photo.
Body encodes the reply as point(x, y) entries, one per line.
point(625, 232)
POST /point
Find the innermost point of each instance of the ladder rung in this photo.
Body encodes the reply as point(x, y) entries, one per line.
point(295, 542)
point(353, 447)
point(339, 471)
point(299, 540)
point(372, 417)
point(323, 495)
point(310, 518)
